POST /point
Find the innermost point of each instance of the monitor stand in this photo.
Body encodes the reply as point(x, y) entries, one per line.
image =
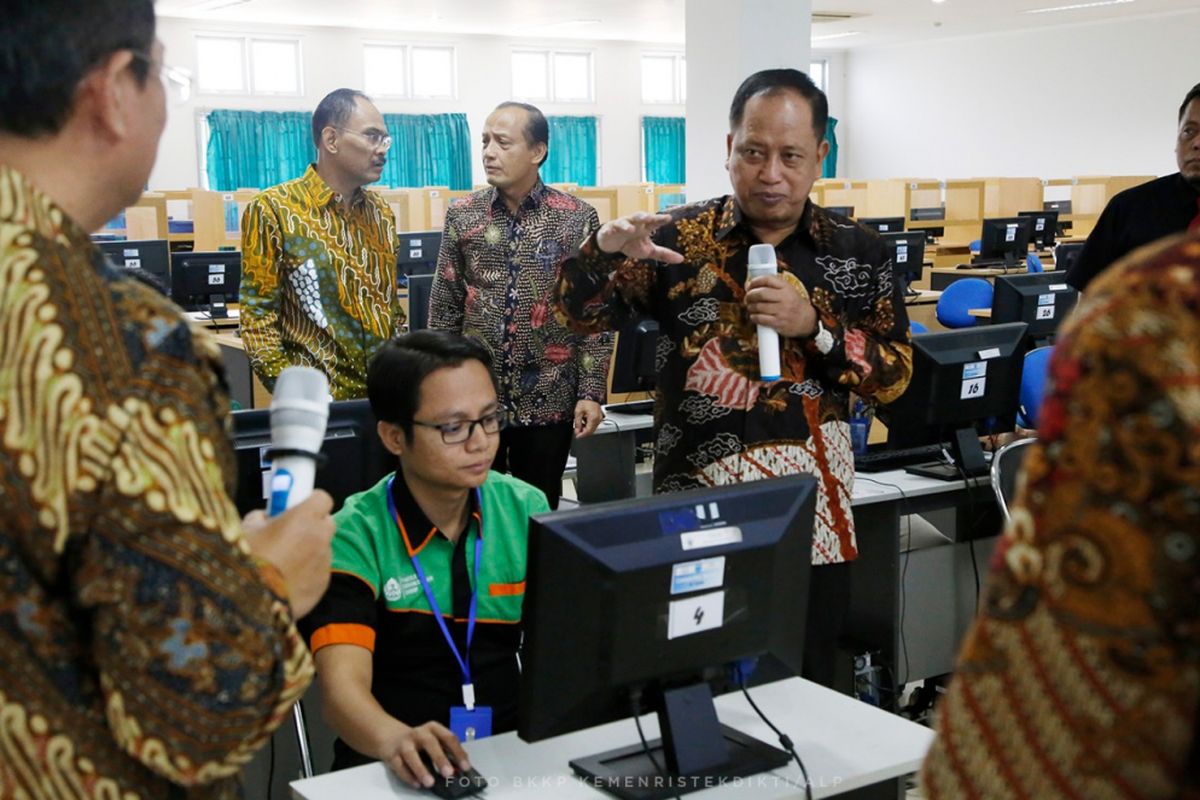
point(216, 307)
point(968, 458)
point(696, 752)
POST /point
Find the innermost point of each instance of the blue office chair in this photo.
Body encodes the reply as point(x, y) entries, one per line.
point(1033, 263)
point(976, 245)
point(959, 297)
point(1033, 385)
point(916, 327)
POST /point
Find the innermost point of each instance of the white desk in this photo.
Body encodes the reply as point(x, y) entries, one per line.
point(845, 744)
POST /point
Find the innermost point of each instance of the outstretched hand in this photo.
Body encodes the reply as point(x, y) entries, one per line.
point(631, 236)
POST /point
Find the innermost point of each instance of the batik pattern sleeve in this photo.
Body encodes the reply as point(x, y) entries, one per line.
point(600, 291)
point(871, 354)
point(448, 297)
point(595, 350)
point(262, 254)
point(1081, 676)
point(198, 660)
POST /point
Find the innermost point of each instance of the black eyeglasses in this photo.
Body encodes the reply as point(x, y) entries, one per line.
point(461, 430)
point(377, 140)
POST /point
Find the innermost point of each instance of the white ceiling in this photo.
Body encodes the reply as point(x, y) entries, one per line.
point(876, 22)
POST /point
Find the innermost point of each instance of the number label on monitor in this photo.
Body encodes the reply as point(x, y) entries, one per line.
point(901, 254)
point(133, 263)
point(1010, 233)
point(1045, 312)
point(415, 252)
point(695, 576)
point(704, 612)
point(884, 228)
point(216, 280)
point(973, 388)
point(1040, 225)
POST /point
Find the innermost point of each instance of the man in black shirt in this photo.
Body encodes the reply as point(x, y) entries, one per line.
point(1151, 211)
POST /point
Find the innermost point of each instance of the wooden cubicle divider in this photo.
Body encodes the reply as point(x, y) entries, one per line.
point(1091, 193)
point(1007, 197)
point(145, 219)
point(603, 200)
point(837, 192)
point(217, 218)
point(667, 195)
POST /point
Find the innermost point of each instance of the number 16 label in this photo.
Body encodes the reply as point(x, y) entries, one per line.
point(973, 388)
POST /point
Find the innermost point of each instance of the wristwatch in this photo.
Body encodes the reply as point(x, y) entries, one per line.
point(823, 339)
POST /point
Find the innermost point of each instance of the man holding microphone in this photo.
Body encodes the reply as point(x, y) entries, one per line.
point(839, 317)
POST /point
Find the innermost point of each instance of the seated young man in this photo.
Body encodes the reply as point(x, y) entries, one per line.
point(442, 527)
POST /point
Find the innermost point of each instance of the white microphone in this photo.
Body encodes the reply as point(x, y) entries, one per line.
point(760, 262)
point(299, 410)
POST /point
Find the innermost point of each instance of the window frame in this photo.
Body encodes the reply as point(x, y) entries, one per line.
point(246, 42)
point(552, 95)
point(678, 76)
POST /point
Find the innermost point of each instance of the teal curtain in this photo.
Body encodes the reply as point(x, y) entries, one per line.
point(572, 156)
point(663, 146)
point(829, 170)
point(428, 150)
point(257, 149)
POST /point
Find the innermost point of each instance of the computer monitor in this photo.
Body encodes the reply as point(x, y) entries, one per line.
point(845, 211)
point(633, 365)
point(907, 252)
point(1005, 238)
point(1061, 206)
point(1044, 226)
point(355, 458)
point(925, 214)
point(1065, 255)
point(965, 384)
point(416, 253)
point(206, 281)
point(883, 224)
point(151, 256)
point(420, 287)
point(641, 605)
point(1042, 300)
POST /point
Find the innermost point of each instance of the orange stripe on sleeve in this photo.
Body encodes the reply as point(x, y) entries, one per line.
point(506, 589)
point(344, 633)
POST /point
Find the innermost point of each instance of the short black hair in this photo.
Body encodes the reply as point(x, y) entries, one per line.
point(48, 46)
point(333, 110)
point(1192, 95)
point(397, 370)
point(537, 129)
point(772, 81)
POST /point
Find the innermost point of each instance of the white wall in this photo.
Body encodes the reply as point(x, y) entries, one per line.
point(1071, 100)
point(332, 58)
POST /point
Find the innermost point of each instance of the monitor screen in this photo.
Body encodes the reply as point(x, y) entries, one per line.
point(1061, 206)
point(643, 603)
point(1042, 300)
point(416, 253)
point(151, 256)
point(1065, 254)
point(355, 458)
point(907, 252)
point(883, 224)
point(845, 211)
point(965, 384)
point(931, 212)
point(1044, 226)
point(419, 289)
point(200, 279)
point(633, 366)
point(1005, 238)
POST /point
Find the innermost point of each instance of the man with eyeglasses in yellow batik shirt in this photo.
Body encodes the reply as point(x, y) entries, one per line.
point(420, 558)
point(319, 256)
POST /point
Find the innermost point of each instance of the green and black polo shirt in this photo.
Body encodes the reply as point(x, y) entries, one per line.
point(375, 601)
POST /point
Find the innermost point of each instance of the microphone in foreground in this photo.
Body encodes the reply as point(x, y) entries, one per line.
point(299, 411)
point(761, 261)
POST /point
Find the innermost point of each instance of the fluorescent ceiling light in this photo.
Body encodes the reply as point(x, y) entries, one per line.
point(215, 5)
point(1078, 6)
point(834, 36)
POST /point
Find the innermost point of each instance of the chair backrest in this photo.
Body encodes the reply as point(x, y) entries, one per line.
point(1006, 466)
point(961, 296)
point(1033, 263)
point(976, 245)
point(1033, 383)
point(916, 327)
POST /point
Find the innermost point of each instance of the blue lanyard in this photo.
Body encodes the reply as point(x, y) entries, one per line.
point(464, 664)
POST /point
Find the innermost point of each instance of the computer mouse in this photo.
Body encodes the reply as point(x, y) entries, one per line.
point(461, 784)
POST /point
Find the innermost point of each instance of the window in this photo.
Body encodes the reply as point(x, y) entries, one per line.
point(664, 78)
point(248, 65)
point(556, 75)
point(433, 72)
point(399, 70)
point(816, 71)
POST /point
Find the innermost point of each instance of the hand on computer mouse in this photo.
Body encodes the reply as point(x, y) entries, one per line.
point(402, 750)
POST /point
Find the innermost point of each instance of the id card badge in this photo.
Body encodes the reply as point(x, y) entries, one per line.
point(470, 725)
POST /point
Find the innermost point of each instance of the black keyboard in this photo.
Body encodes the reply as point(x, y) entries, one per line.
point(884, 460)
point(636, 407)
